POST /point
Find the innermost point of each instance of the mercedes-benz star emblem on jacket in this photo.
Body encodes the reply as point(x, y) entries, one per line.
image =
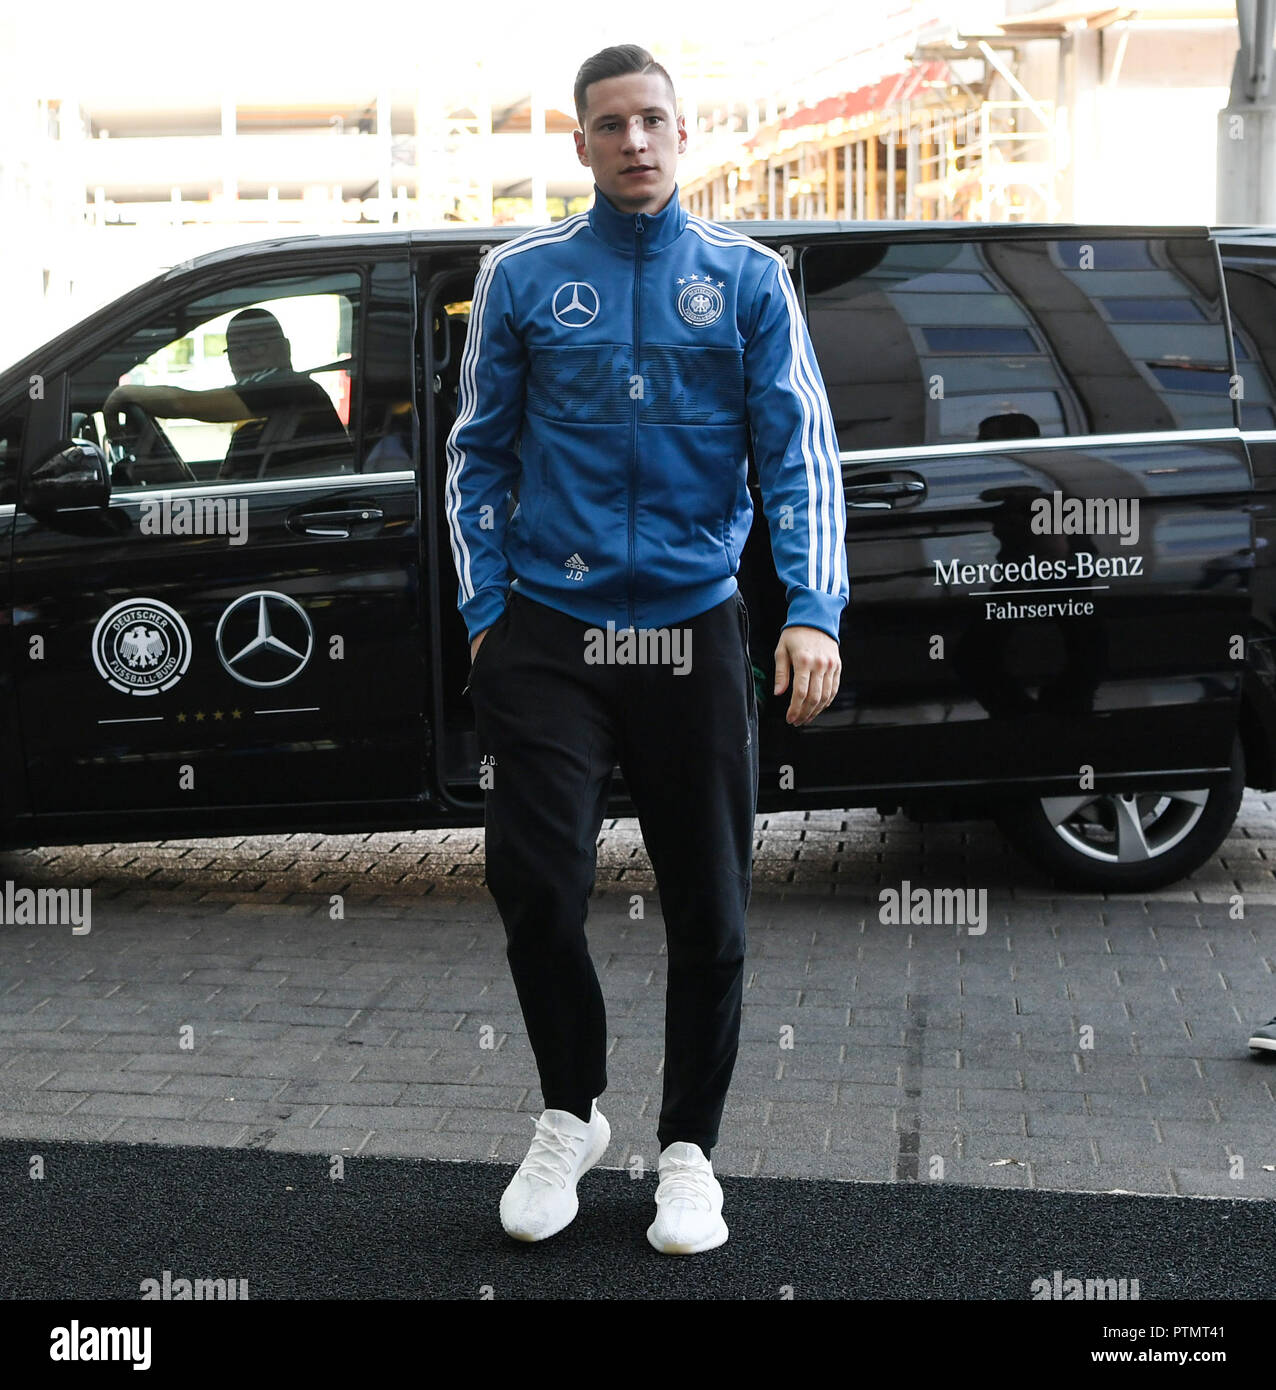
point(575, 304)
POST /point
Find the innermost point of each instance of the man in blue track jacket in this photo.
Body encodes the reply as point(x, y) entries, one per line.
point(616, 364)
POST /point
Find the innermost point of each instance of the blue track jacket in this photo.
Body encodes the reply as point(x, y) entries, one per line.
point(613, 365)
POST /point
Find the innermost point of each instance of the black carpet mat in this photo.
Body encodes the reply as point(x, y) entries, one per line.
point(105, 1217)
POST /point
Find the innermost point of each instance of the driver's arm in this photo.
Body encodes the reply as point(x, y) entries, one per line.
point(221, 404)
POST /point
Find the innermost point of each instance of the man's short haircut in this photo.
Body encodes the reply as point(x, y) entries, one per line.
point(253, 326)
point(617, 61)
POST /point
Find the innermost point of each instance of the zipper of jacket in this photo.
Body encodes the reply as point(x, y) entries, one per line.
point(639, 222)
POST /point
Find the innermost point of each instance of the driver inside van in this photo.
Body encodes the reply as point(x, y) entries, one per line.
point(286, 422)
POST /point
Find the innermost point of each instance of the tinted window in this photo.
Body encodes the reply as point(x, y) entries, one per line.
point(1154, 310)
point(953, 342)
point(1133, 254)
point(256, 381)
point(12, 425)
point(979, 340)
point(1251, 294)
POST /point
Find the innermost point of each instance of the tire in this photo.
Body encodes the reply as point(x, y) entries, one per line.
point(1079, 839)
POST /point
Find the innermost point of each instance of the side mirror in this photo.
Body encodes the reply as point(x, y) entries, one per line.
point(73, 475)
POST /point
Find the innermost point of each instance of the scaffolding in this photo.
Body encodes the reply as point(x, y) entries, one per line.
point(920, 146)
point(993, 163)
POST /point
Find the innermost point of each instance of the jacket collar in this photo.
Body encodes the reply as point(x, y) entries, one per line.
point(619, 229)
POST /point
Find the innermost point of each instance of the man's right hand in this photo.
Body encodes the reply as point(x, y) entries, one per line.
point(477, 643)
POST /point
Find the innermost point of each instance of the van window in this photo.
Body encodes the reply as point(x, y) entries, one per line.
point(1251, 294)
point(257, 381)
point(924, 343)
point(12, 427)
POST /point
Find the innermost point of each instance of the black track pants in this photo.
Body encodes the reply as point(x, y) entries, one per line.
point(551, 726)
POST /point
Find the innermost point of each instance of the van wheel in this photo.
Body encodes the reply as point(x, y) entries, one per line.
point(1124, 843)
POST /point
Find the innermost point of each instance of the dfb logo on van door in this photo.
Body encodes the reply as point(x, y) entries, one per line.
point(141, 646)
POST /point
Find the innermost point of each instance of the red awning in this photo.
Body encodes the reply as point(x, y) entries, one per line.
point(878, 96)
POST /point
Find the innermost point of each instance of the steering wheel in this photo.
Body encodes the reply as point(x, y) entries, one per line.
point(140, 451)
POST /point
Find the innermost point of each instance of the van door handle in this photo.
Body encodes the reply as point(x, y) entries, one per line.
point(338, 522)
point(879, 496)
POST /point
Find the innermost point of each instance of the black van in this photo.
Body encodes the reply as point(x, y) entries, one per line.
point(1058, 448)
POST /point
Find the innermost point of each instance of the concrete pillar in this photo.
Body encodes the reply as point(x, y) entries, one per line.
point(423, 152)
point(540, 213)
point(873, 209)
point(230, 179)
point(483, 154)
point(69, 189)
point(891, 210)
point(1246, 184)
point(385, 160)
point(1083, 81)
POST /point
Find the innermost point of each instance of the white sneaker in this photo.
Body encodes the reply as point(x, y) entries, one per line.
point(541, 1197)
point(688, 1203)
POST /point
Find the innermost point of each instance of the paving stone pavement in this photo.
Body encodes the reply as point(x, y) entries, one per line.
point(350, 994)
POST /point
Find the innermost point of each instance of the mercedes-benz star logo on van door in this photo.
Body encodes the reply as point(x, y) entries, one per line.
point(575, 304)
point(265, 638)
